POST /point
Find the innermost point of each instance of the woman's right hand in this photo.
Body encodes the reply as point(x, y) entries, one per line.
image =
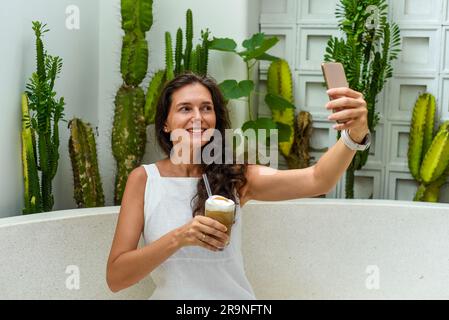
point(204, 232)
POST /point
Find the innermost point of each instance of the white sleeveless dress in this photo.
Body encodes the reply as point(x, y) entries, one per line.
point(192, 272)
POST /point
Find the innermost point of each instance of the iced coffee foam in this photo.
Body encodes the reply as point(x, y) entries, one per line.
point(219, 203)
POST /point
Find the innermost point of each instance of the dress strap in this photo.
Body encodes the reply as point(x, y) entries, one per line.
point(151, 170)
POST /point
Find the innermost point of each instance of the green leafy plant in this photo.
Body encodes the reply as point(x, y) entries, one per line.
point(254, 50)
point(86, 175)
point(41, 120)
point(428, 153)
point(370, 45)
point(129, 127)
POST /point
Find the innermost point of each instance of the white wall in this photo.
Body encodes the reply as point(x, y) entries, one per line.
point(78, 84)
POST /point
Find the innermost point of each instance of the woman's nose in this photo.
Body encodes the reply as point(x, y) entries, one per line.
point(197, 114)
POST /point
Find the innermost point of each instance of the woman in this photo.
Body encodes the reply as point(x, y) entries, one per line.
point(186, 252)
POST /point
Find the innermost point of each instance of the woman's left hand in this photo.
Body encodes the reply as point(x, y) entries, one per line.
point(349, 106)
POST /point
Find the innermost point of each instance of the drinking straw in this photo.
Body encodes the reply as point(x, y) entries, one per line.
point(206, 182)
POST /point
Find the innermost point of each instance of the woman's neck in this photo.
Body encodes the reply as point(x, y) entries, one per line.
point(183, 170)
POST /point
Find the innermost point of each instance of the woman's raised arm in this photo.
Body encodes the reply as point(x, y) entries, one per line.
point(267, 184)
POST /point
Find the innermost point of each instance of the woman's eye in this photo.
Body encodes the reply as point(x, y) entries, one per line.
point(184, 108)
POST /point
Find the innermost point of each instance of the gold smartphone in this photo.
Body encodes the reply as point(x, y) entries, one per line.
point(335, 77)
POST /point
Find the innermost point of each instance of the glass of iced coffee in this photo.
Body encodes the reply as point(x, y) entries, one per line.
point(222, 210)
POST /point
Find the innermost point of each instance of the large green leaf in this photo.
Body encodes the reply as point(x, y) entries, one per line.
point(222, 44)
point(284, 132)
point(255, 41)
point(232, 89)
point(267, 57)
point(276, 102)
point(259, 50)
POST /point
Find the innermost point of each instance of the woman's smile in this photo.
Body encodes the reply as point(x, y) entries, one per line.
point(196, 132)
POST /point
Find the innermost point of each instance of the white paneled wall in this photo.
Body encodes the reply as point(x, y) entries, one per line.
point(304, 27)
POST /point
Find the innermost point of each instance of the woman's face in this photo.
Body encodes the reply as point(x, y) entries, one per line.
point(191, 112)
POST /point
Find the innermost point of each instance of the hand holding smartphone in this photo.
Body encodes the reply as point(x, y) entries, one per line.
point(335, 77)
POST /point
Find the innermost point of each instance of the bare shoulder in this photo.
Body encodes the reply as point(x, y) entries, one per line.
point(133, 197)
point(131, 217)
point(138, 175)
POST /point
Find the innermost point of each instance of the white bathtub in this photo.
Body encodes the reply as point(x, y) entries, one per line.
point(302, 249)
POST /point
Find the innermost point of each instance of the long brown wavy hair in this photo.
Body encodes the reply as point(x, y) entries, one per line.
point(225, 179)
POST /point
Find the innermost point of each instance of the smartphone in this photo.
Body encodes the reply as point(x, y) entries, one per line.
point(335, 77)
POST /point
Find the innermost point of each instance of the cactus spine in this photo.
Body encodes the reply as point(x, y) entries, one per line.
point(86, 175)
point(129, 128)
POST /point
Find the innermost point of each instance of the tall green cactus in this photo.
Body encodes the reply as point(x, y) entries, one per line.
point(194, 59)
point(134, 61)
point(189, 41)
point(169, 57)
point(428, 155)
point(279, 82)
point(86, 175)
point(137, 16)
point(47, 112)
point(436, 159)
point(154, 89)
point(421, 132)
point(32, 195)
point(178, 52)
point(129, 128)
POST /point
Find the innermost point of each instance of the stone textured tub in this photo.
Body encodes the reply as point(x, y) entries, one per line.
point(301, 249)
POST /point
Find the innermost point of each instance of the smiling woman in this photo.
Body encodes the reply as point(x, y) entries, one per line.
point(166, 200)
